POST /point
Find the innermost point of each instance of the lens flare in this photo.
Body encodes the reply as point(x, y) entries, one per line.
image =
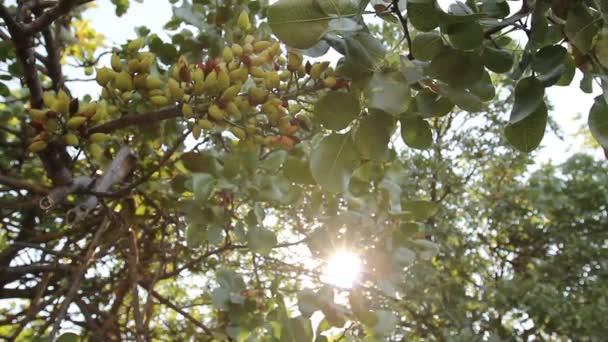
point(343, 269)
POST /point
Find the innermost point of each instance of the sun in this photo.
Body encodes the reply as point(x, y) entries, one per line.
point(343, 269)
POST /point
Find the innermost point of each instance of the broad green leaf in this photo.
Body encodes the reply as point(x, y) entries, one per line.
point(495, 8)
point(388, 92)
point(426, 45)
point(457, 68)
point(199, 162)
point(297, 171)
point(261, 240)
point(373, 135)
point(273, 161)
point(463, 98)
point(464, 36)
point(529, 94)
point(581, 27)
point(188, 14)
point(424, 16)
point(230, 280)
point(569, 71)
point(428, 249)
point(362, 53)
point(307, 302)
point(196, 236)
point(339, 7)
point(220, 298)
point(404, 256)
point(526, 134)
point(386, 323)
point(600, 47)
point(484, 89)
point(333, 161)
point(430, 104)
point(68, 337)
point(4, 90)
point(301, 329)
point(598, 121)
point(336, 110)
point(202, 185)
point(549, 64)
point(497, 60)
point(298, 23)
point(416, 133)
point(421, 210)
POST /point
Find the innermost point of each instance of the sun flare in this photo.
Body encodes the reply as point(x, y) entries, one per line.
point(343, 269)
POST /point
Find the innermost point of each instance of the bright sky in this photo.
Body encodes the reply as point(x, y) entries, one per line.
point(568, 101)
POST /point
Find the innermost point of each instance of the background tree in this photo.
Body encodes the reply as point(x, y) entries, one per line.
point(199, 194)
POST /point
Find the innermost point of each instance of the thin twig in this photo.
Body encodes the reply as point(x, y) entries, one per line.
point(75, 283)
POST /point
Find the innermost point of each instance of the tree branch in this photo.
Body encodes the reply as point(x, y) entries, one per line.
point(75, 283)
point(63, 7)
point(136, 119)
point(22, 185)
point(177, 309)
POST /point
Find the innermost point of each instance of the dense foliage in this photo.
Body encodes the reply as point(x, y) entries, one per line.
point(200, 192)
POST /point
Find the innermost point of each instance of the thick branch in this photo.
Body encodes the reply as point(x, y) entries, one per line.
point(136, 119)
point(22, 185)
point(63, 7)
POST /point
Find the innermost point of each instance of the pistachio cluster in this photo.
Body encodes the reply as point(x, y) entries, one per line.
point(253, 90)
point(64, 121)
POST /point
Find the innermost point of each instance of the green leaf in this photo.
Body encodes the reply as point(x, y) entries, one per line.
point(497, 60)
point(431, 105)
point(526, 134)
point(4, 90)
point(68, 337)
point(307, 302)
point(373, 135)
point(386, 322)
point(298, 23)
point(404, 256)
point(424, 16)
point(336, 110)
point(421, 210)
point(598, 121)
point(297, 171)
point(191, 16)
point(273, 161)
point(428, 249)
point(196, 236)
point(388, 92)
point(569, 71)
point(484, 89)
point(202, 185)
point(426, 45)
point(230, 280)
point(261, 240)
point(300, 329)
point(416, 133)
point(600, 47)
point(465, 36)
point(462, 98)
point(468, 71)
point(333, 161)
point(529, 94)
point(220, 298)
point(549, 64)
point(581, 27)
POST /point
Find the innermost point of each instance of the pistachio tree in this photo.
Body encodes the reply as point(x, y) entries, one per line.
point(198, 192)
